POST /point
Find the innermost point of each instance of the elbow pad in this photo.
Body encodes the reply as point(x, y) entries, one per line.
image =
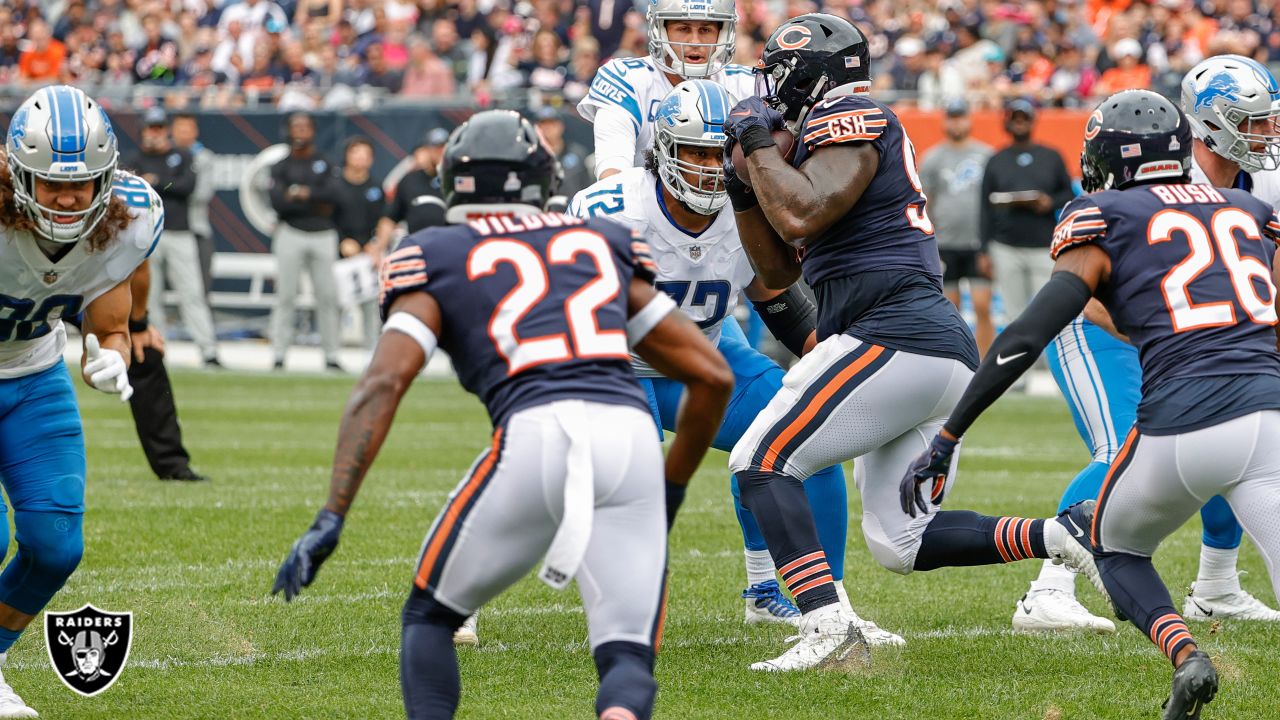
point(1016, 349)
point(791, 317)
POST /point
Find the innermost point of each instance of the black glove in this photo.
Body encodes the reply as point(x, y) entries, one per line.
point(308, 553)
point(932, 466)
point(740, 195)
point(750, 123)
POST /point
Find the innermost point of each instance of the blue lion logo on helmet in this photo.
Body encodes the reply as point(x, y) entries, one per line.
point(18, 128)
point(1221, 85)
point(669, 110)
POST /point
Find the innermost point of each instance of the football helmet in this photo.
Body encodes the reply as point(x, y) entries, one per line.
point(692, 114)
point(61, 135)
point(1135, 136)
point(497, 158)
point(668, 54)
point(1233, 104)
point(807, 57)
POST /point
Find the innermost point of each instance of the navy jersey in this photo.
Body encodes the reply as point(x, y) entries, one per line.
point(1191, 286)
point(534, 308)
point(879, 263)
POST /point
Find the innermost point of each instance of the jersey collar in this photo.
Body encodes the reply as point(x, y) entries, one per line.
point(662, 205)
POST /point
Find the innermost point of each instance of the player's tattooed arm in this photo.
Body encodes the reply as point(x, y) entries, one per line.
point(776, 263)
point(801, 203)
point(372, 406)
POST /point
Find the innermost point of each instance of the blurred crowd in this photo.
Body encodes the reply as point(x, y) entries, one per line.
point(304, 54)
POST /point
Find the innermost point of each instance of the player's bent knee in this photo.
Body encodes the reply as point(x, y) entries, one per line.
point(895, 557)
point(422, 608)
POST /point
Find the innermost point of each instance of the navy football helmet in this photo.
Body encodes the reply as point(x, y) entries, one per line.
point(806, 57)
point(497, 158)
point(1135, 136)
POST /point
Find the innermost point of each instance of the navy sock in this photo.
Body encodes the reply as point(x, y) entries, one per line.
point(780, 506)
point(429, 678)
point(1139, 594)
point(961, 537)
point(627, 687)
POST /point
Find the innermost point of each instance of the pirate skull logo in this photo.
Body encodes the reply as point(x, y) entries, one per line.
point(88, 647)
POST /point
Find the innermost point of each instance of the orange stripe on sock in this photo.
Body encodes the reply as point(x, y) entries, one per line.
point(837, 382)
point(432, 555)
point(1155, 626)
point(800, 561)
point(1011, 538)
point(818, 582)
point(820, 567)
point(1026, 539)
point(1000, 540)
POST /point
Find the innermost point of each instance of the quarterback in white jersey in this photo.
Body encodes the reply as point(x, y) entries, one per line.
point(72, 232)
point(687, 39)
point(675, 203)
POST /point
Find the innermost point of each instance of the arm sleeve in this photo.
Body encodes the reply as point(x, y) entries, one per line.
point(1015, 350)
point(616, 134)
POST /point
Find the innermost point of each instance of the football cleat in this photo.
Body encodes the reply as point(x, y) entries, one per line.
point(1066, 539)
point(12, 706)
point(1195, 682)
point(766, 603)
point(1051, 610)
point(466, 635)
point(1238, 605)
point(875, 635)
point(829, 639)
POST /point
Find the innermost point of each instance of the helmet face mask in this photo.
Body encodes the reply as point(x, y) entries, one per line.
point(692, 115)
point(60, 135)
point(807, 57)
point(669, 55)
point(1233, 104)
point(1135, 136)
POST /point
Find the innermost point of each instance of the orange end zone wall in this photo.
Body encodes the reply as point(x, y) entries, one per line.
point(1061, 129)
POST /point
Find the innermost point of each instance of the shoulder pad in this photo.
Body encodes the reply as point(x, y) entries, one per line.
point(843, 119)
point(1081, 222)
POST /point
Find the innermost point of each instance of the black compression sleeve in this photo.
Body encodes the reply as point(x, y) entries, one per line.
point(1016, 349)
point(791, 317)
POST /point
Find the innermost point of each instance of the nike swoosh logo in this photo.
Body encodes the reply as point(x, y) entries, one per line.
point(1002, 360)
point(1208, 613)
point(1075, 529)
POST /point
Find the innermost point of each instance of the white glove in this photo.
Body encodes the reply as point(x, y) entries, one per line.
point(106, 369)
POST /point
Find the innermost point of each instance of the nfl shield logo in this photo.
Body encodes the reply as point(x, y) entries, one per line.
point(50, 277)
point(695, 252)
point(88, 647)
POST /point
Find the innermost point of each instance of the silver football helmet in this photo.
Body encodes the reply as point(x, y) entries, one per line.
point(692, 114)
point(61, 135)
point(1233, 104)
point(669, 55)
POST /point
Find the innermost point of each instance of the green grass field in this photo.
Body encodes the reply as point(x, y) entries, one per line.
point(195, 564)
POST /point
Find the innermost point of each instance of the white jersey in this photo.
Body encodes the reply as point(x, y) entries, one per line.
point(703, 273)
point(39, 292)
point(637, 86)
point(1266, 184)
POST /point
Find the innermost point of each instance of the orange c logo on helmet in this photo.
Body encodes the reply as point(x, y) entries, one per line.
point(1093, 126)
point(801, 30)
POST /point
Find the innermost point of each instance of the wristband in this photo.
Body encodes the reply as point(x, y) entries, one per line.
point(754, 138)
point(140, 324)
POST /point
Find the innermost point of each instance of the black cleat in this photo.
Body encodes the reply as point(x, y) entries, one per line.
point(186, 475)
point(1195, 682)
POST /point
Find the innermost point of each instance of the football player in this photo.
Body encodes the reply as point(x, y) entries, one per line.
point(686, 40)
point(893, 354)
point(675, 202)
point(1232, 104)
point(538, 312)
point(74, 229)
point(1186, 272)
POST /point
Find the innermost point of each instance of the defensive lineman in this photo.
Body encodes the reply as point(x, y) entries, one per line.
point(74, 229)
point(1186, 272)
point(893, 352)
point(537, 311)
point(675, 202)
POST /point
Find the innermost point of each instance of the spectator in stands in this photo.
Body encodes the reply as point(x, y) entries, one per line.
point(42, 61)
point(1073, 81)
point(303, 193)
point(417, 201)
point(427, 75)
point(176, 258)
point(198, 72)
point(609, 23)
point(446, 46)
point(1022, 189)
point(904, 75)
point(185, 131)
point(1129, 72)
point(951, 174)
point(293, 68)
point(262, 77)
point(377, 74)
point(317, 12)
point(73, 16)
point(254, 15)
point(157, 61)
point(545, 69)
point(233, 56)
point(10, 53)
point(360, 207)
point(572, 156)
point(583, 63)
point(395, 47)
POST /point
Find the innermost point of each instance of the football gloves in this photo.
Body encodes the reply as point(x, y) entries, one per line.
point(105, 369)
point(308, 553)
point(932, 467)
point(752, 113)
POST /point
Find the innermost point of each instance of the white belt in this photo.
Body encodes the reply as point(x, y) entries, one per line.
point(570, 542)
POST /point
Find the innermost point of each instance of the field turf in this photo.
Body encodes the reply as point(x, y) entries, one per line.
point(195, 564)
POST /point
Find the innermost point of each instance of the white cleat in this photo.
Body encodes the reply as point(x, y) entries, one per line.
point(1238, 605)
point(828, 638)
point(1053, 610)
point(875, 635)
point(465, 635)
point(1066, 539)
point(765, 603)
point(12, 706)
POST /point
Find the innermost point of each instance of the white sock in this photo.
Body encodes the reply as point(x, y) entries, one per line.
point(759, 566)
point(1217, 576)
point(844, 598)
point(1055, 577)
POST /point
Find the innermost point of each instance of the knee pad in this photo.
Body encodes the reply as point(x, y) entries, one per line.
point(895, 557)
point(422, 608)
point(50, 545)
